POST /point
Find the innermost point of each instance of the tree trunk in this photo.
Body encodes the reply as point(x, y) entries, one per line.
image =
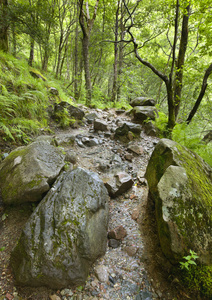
point(31, 55)
point(180, 61)
point(4, 45)
point(85, 49)
point(115, 66)
point(201, 94)
point(86, 24)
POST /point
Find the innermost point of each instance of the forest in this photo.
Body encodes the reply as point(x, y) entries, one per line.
point(104, 53)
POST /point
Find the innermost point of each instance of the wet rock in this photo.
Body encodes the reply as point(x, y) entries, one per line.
point(64, 139)
point(180, 184)
point(53, 91)
point(54, 297)
point(73, 111)
point(90, 142)
point(135, 148)
point(135, 214)
point(102, 273)
point(114, 243)
point(117, 233)
point(144, 295)
point(71, 157)
point(28, 172)
point(66, 233)
point(131, 250)
point(91, 117)
point(66, 292)
point(150, 129)
point(100, 125)
point(142, 101)
point(117, 184)
point(142, 113)
point(128, 156)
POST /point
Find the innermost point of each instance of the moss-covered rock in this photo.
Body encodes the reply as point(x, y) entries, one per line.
point(66, 233)
point(180, 183)
point(28, 172)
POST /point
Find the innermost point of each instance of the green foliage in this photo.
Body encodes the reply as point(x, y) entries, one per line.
point(161, 123)
point(2, 248)
point(189, 260)
point(190, 137)
point(198, 279)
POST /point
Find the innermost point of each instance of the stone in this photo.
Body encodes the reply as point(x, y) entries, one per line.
point(73, 111)
point(131, 250)
point(180, 184)
point(66, 292)
point(54, 297)
point(128, 156)
point(142, 101)
point(53, 91)
point(114, 243)
point(66, 233)
point(150, 129)
point(100, 125)
point(91, 117)
point(90, 142)
point(135, 148)
point(117, 233)
point(102, 273)
point(64, 139)
point(118, 183)
point(71, 157)
point(135, 214)
point(142, 113)
point(126, 131)
point(28, 172)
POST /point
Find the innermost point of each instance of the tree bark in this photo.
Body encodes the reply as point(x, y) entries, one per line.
point(201, 94)
point(31, 54)
point(86, 24)
point(181, 61)
point(4, 44)
point(115, 66)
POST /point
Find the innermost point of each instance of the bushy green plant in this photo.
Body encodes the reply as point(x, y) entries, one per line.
point(191, 137)
point(189, 260)
point(161, 123)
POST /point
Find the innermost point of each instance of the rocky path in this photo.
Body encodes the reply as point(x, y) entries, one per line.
point(125, 271)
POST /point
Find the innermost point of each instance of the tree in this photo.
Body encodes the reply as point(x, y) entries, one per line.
point(174, 80)
point(86, 23)
point(4, 25)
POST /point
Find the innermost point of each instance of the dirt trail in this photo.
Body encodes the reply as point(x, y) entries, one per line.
point(136, 269)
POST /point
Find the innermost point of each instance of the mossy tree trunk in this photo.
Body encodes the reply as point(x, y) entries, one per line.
point(86, 23)
point(4, 45)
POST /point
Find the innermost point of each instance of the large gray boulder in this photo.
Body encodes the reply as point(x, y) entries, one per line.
point(142, 113)
point(28, 172)
point(66, 233)
point(142, 101)
point(180, 184)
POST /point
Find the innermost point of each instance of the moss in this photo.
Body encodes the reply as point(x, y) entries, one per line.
point(199, 279)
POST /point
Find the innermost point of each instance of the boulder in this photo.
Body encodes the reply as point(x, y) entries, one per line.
point(28, 172)
point(66, 233)
point(64, 139)
point(118, 183)
point(142, 113)
point(100, 125)
point(180, 184)
point(124, 131)
point(142, 101)
point(73, 111)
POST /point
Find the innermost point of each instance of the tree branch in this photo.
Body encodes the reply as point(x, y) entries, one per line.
point(201, 94)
